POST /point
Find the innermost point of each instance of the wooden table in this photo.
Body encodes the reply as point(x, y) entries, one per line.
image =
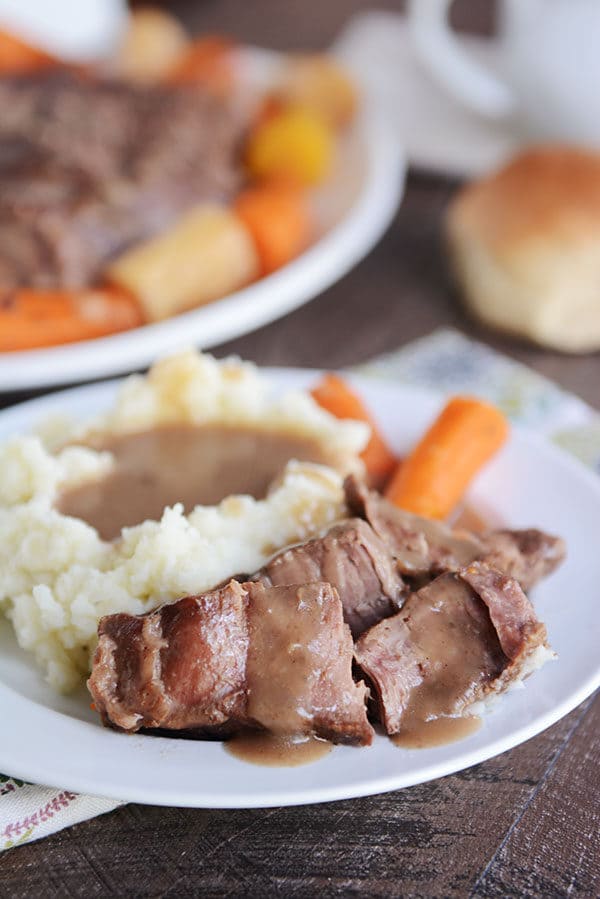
point(525, 823)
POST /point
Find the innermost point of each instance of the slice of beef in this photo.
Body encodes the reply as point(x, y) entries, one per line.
point(511, 613)
point(528, 555)
point(245, 655)
point(181, 666)
point(464, 636)
point(299, 665)
point(421, 546)
point(425, 548)
point(352, 558)
point(88, 167)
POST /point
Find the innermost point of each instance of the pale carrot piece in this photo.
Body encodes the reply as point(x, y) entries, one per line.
point(337, 397)
point(279, 220)
point(318, 82)
point(34, 318)
point(153, 43)
point(207, 61)
point(434, 476)
point(18, 57)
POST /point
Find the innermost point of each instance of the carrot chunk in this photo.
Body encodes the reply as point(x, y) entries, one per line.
point(278, 218)
point(337, 397)
point(434, 476)
point(18, 57)
point(31, 319)
point(207, 61)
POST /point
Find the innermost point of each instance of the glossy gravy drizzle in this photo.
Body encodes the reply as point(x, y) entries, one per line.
point(274, 751)
point(418, 733)
point(285, 657)
point(458, 652)
point(181, 463)
point(437, 732)
point(469, 519)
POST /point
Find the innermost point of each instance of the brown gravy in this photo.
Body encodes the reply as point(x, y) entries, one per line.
point(270, 750)
point(449, 625)
point(468, 519)
point(181, 463)
point(281, 752)
point(284, 653)
point(476, 520)
point(437, 732)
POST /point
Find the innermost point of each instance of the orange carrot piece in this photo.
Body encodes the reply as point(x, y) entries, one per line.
point(337, 397)
point(434, 476)
point(34, 318)
point(278, 218)
point(18, 57)
point(207, 61)
point(269, 107)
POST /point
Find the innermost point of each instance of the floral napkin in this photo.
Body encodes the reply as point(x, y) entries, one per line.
point(445, 358)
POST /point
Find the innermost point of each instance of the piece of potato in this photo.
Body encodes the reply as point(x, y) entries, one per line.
point(205, 255)
point(318, 83)
point(153, 44)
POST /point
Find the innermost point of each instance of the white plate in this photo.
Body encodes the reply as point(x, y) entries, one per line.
point(58, 740)
point(353, 211)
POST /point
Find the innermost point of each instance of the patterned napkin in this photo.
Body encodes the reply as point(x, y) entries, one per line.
point(447, 358)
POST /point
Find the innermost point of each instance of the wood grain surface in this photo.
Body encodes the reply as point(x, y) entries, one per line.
point(523, 824)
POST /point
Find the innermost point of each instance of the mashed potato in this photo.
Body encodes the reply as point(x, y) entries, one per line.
point(58, 577)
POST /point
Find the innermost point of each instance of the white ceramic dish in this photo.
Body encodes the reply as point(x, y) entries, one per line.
point(353, 210)
point(438, 133)
point(57, 740)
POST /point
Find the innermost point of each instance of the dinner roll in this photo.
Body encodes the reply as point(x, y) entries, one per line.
point(525, 245)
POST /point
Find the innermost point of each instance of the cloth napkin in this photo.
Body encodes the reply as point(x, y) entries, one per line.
point(446, 358)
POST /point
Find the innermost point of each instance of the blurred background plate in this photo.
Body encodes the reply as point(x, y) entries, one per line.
point(352, 210)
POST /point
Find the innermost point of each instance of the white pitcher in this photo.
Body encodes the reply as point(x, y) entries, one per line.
point(550, 61)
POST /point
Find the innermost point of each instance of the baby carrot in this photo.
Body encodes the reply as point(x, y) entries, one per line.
point(17, 57)
point(434, 476)
point(278, 218)
point(337, 397)
point(207, 61)
point(35, 318)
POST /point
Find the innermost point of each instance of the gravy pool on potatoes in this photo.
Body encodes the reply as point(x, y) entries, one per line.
point(193, 465)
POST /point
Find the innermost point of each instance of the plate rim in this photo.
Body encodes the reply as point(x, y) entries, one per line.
point(11, 701)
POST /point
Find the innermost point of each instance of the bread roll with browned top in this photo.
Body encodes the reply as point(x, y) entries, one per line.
point(525, 245)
